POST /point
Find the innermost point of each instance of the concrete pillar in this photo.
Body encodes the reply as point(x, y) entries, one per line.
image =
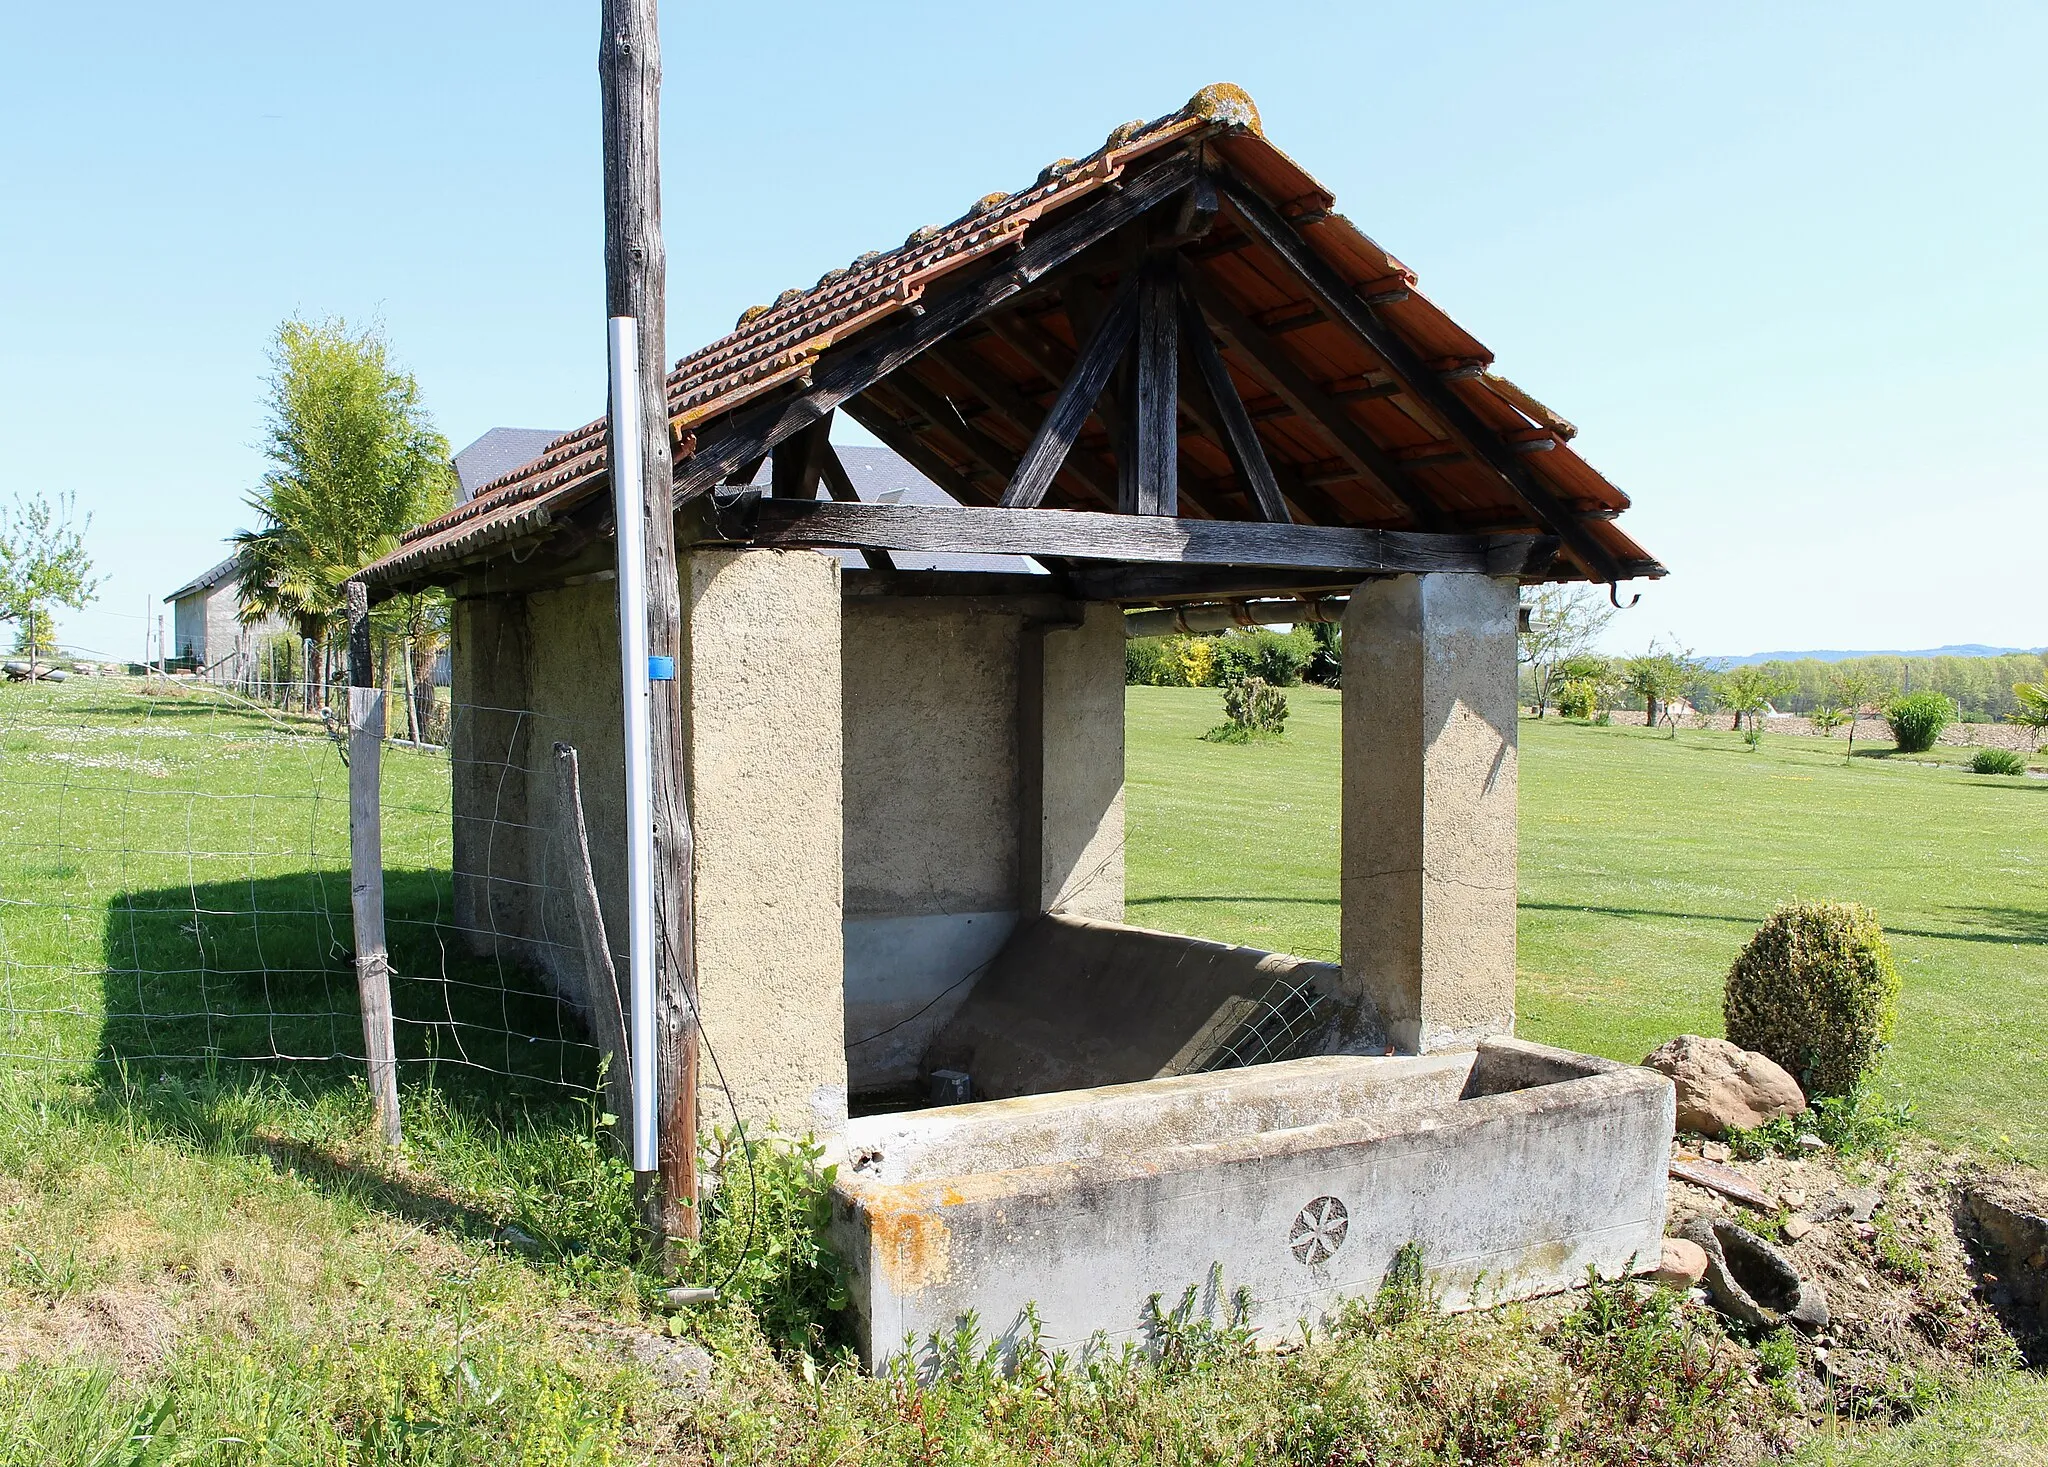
point(1429, 838)
point(1078, 865)
point(761, 670)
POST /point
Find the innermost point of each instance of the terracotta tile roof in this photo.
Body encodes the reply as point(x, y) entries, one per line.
point(774, 345)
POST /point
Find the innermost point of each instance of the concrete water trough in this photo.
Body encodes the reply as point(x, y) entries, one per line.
point(1514, 1166)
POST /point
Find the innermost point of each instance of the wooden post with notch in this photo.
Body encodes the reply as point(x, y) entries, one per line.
point(366, 865)
point(635, 278)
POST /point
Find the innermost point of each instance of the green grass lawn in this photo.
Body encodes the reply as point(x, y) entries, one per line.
point(1646, 863)
point(215, 1263)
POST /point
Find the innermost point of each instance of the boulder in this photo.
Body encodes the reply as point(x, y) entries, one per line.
point(1722, 1085)
point(1682, 1265)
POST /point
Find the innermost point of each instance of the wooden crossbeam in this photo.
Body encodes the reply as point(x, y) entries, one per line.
point(839, 376)
point(1239, 435)
point(1311, 400)
point(1336, 296)
point(1055, 437)
point(1084, 535)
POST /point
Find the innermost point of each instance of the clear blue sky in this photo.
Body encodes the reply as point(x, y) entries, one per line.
point(1783, 264)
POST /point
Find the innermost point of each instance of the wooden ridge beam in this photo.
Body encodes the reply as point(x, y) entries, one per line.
point(1341, 301)
point(1084, 535)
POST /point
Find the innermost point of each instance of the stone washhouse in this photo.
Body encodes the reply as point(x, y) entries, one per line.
point(1173, 387)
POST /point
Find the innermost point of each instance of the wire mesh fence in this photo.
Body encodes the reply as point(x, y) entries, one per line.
point(175, 890)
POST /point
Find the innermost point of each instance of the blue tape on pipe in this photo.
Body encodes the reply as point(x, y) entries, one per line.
point(661, 669)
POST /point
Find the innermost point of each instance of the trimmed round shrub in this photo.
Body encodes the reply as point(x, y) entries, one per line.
point(1815, 990)
point(1918, 719)
point(1998, 761)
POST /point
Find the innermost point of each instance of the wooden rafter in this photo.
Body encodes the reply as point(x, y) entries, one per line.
point(839, 484)
point(1010, 402)
point(1062, 423)
point(1311, 401)
point(1342, 302)
point(1239, 435)
point(840, 375)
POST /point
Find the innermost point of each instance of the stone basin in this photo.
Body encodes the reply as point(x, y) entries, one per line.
point(1516, 1167)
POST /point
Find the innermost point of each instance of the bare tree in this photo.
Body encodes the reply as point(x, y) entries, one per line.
point(1564, 622)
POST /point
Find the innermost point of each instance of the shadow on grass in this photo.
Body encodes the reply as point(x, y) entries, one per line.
point(2010, 924)
point(1251, 899)
point(231, 1021)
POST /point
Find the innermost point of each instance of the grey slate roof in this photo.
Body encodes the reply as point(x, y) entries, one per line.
point(209, 580)
point(497, 454)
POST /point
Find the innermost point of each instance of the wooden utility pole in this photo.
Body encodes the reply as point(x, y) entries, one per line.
point(635, 277)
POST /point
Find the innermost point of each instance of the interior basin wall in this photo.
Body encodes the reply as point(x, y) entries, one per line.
point(1144, 1117)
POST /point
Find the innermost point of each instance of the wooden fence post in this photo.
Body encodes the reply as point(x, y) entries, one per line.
point(366, 865)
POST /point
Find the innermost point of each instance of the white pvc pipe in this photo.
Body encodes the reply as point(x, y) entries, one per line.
point(629, 512)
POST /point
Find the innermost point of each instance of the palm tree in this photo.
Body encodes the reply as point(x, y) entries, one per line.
point(355, 461)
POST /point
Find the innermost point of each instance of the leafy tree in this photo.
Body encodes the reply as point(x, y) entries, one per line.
point(1658, 676)
point(1861, 691)
point(355, 460)
point(1564, 622)
point(1749, 690)
point(43, 563)
point(2032, 710)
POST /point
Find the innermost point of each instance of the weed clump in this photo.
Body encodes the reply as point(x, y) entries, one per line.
point(1917, 720)
point(1816, 990)
point(1653, 1373)
point(1861, 1123)
point(763, 1238)
point(1998, 761)
point(1255, 710)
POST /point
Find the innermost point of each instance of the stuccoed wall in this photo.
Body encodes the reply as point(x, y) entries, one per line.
point(933, 790)
point(920, 755)
point(1082, 846)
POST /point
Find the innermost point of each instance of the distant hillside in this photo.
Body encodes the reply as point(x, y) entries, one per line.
point(1965, 649)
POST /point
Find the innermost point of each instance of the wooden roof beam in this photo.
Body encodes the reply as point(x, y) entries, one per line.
point(1055, 434)
point(842, 374)
point(1311, 400)
point(1011, 402)
point(1337, 297)
point(1155, 539)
